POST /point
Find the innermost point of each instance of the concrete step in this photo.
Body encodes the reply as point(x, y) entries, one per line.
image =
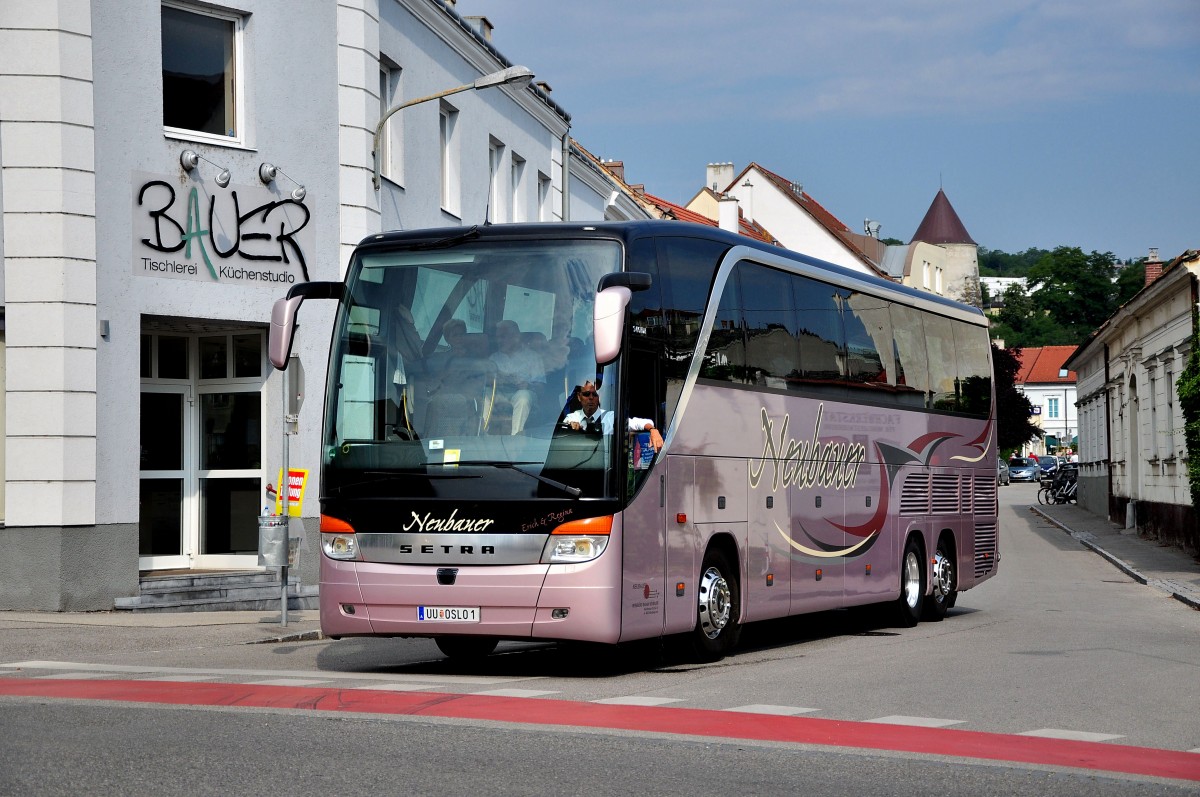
point(213, 592)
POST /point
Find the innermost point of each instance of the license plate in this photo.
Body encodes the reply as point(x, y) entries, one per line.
point(448, 614)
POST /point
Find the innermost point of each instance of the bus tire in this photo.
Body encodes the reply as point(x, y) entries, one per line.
point(718, 608)
point(910, 605)
point(945, 582)
point(465, 648)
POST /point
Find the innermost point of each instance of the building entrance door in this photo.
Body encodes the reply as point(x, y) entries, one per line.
point(202, 474)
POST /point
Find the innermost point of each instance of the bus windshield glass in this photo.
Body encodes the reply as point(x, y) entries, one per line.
point(454, 370)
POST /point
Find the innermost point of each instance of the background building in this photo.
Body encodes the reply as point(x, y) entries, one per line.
point(1133, 458)
point(1050, 387)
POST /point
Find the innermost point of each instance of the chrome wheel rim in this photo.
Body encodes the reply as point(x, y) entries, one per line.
point(912, 580)
point(715, 603)
point(943, 576)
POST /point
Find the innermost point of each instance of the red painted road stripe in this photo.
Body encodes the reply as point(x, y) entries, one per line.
point(692, 722)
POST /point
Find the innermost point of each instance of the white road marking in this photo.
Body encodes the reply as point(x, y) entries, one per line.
point(920, 722)
point(781, 711)
point(393, 687)
point(286, 682)
point(516, 692)
point(71, 676)
point(1077, 736)
point(637, 700)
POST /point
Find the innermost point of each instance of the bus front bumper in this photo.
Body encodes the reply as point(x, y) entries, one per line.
point(537, 602)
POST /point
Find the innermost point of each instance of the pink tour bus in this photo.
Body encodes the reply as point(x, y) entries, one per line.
point(610, 432)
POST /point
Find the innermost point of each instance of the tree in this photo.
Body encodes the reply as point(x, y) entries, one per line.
point(1130, 280)
point(1075, 289)
point(994, 263)
point(1013, 410)
point(1022, 322)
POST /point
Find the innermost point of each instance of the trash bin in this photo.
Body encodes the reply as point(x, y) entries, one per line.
point(273, 540)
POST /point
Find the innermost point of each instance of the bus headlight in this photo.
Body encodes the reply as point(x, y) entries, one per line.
point(577, 541)
point(340, 546)
point(563, 550)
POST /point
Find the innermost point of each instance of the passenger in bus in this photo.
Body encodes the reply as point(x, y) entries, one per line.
point(459, 384)
point(520, 373)
point(590, 418)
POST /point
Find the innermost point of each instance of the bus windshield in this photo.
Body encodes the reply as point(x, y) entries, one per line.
point(454, 369)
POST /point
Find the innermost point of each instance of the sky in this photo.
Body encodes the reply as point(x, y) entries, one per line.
point(1046, 122)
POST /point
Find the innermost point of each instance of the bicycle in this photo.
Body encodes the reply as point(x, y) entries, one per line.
point(1062, 489)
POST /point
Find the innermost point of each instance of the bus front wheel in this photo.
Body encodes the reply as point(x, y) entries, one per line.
point(719, 607)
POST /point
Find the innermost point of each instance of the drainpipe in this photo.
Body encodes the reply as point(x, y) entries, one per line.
point(566, 175)
point(1108, 435)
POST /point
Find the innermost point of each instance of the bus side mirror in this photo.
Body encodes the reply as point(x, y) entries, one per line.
point(283, 317)
point(608, 322)
point(283, 329)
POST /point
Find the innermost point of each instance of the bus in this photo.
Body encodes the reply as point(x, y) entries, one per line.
point(828, 438)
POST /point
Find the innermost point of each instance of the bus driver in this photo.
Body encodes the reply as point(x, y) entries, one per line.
point(589, 417)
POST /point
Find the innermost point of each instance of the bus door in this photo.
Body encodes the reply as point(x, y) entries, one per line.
point(870, 535)
point(817, 548)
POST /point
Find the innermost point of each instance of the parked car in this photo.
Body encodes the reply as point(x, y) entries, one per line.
point(1023, 469)
point(1049, 465)
point(1003, 477)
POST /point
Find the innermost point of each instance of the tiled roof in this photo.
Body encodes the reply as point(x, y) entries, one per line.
point(830, 222)
point(750, 229)
point(941, 224)
point(1041, 366)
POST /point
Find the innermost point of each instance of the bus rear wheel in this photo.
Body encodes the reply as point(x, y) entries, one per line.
point(465, 648)
point(909, 607)
point(719, 607)
point(945, 583)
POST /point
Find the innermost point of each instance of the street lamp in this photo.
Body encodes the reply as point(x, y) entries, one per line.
point(512, 76)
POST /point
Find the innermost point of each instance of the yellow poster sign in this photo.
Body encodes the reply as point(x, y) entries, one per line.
point(297, 480)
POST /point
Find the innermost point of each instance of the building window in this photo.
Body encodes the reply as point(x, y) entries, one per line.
point(1052, 407)
point(495, 210)
point(448, 145)
point(390, 141)
point(201, 57)
point(517, 186)
point(543, 199)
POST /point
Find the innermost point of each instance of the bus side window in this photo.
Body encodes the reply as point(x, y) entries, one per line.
point(943, 363)
point(772, 347)
point(912, 363)
point(868, 339)
point(821, 337)
point(687, 267)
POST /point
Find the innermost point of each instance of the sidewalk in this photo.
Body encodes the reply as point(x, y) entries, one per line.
point(1163, 567)
point(244, 627)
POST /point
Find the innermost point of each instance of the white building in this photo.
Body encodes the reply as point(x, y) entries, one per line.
point(167, 170)
point(1050, 387)
point(1133, 456)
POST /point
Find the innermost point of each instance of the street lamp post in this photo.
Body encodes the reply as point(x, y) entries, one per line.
point(513, 75)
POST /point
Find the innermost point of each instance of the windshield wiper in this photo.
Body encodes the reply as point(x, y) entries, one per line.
point(452, 240)
point(574, 492)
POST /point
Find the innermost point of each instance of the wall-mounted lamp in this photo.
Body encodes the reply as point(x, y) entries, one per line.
point(267, 173)
point(189, 159)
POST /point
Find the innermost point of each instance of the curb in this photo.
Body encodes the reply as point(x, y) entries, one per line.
point(1085, 539)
